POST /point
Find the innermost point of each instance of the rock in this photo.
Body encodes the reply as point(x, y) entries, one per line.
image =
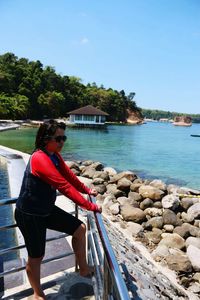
point(172, 189)
point(100, 198)
point(178, 261)
point(112, 189)
point(114, 208)
point(169, 217)
point(186, 203)
point(100, 174)
point(123, 200)
point(146, 203)
point(97, 166)
point(183, 231)
point(157, 204)
point(194, 211)
point(194, 288)
point(160, 252)
point(134, 196)
point(87, 162)
point(88, 172)
point(147, 191)
point(193, 241)
point(134, 228)
point(97, 181)
point(186, 218)
point(159, 184)
point(153, 212)
point(154, 236)
point(170, 201)
point(130, 213)
point(126, 174)
point(168, 228)
point(134, 187)
point(193, 254)
point(155, 222)
point(124, 184)
point(101, 188)
point(196, 277)
point(110, 171)
point(172, 240)
point(108, 201)
point(72, 165)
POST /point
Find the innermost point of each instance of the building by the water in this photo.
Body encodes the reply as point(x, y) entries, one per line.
point(87, 116)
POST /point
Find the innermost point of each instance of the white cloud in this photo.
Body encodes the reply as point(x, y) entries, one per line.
point(84, 41)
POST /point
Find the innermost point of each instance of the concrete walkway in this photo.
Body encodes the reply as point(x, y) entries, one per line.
point(66, 285)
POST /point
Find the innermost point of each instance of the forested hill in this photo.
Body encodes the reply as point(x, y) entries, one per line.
point(158, 114)
point(30, 90)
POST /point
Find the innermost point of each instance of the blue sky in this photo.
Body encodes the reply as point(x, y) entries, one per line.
point(150, 47)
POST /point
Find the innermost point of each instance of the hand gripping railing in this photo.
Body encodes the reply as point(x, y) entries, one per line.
point(109, 281)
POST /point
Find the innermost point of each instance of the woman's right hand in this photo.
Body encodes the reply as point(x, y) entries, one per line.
point(99, 209)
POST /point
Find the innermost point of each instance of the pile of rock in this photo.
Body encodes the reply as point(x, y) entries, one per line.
point(166, 218)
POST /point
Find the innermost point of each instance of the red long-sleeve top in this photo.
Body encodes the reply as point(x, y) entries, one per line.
point(42, 178)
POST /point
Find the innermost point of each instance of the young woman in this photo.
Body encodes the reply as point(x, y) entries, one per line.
point(36, 211)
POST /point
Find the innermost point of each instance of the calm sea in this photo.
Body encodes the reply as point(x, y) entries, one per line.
point(7, 237)
point(153, 150)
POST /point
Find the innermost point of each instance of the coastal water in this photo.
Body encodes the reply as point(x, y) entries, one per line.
point(153, 150)
point(7, 237)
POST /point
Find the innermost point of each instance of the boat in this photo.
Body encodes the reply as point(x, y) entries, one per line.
point(195, 135)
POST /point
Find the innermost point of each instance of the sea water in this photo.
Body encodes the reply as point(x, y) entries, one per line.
point(7, 237)
point(152, 150)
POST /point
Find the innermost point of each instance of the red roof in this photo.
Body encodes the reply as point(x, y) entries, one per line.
point(88, 110)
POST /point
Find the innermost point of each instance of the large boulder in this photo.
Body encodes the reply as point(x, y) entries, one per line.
point(134, 196)
point(172, 240)
point(130, 213)
point(101, 174)
point(194, 211)
point(155, 222)
point(147, 191)
point(169, 217)
point(159, 184)
point(170, 201)
point(178, 261)
point(193, 254)
point(193, 241)
point(153, 212)
point(110, 171)
point(124, 184)
point(126, 174)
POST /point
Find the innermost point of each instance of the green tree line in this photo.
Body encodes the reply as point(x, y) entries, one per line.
point(158, 114)
point(28, 90)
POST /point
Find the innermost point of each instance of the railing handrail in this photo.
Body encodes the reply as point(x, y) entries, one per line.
point(110, 256)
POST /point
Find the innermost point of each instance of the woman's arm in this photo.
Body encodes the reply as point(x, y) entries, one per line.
point(43, 167)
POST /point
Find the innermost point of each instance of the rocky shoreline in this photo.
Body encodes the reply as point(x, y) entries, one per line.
point(164, 218)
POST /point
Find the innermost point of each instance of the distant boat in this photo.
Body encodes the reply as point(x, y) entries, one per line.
point(195, 135)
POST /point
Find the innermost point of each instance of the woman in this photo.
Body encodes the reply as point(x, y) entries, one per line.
point(36, 211)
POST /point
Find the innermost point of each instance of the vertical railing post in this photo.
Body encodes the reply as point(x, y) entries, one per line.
point(76, 215)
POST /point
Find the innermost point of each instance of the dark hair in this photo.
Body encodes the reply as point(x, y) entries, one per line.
point(46, 131)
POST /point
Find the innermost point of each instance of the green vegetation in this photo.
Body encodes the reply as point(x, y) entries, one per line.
point(29, 90)
point(158, 114)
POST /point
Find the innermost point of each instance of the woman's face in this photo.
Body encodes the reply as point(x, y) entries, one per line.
point(57, 141)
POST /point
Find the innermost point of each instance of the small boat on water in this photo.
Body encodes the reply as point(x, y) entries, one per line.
point(195, 135)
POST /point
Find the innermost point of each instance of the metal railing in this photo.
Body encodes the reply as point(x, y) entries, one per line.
point(19, 247)
point(108, 282)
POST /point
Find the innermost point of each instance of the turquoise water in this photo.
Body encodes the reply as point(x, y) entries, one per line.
point(152, 150)
point(7, 237)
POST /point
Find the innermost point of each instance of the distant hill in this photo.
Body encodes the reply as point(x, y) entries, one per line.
point(156, 114)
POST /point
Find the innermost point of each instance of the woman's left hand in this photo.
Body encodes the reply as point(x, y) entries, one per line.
point(93, 192)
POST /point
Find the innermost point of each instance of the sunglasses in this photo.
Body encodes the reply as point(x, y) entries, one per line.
point(60, 138)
